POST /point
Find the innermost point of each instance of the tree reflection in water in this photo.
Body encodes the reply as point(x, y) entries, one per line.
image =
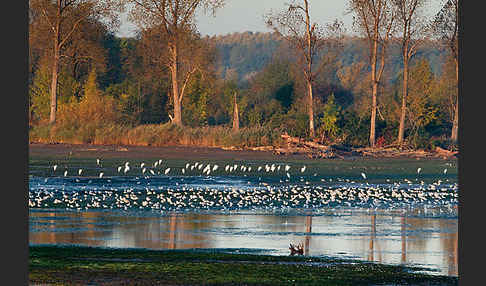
point(374, 236)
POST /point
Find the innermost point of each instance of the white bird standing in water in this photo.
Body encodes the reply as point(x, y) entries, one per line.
point(445, 171)
point(101, 174)
point(167, 171)
point(418, 170)
point(303, 169)
point(98, 162)
point(55, 167)
point(363, 175)
point(80, 171)
point(65, 173)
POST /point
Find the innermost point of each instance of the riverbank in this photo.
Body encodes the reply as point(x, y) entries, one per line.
point(77, 265)
point(65, 150)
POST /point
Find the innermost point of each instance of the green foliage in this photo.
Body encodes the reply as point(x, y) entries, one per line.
point(195, 102)
point(68, 88)
point(421, 109)
point(131, 97)
point(295, 123)
point(39, 96)
point(79, 121)
point(270, 95)
point(328, 127)
point(39, 93)
point(356, 130)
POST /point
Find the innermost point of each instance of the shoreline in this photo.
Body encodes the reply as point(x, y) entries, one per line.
point(114, 266)
point(204, 152)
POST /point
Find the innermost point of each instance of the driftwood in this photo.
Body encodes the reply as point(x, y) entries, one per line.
point(315, 150)
point(296, 249)
point(444, 152)
point(310, 148)
point(310, 144)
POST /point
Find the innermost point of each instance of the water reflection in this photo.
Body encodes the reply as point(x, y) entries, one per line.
point(387, 237)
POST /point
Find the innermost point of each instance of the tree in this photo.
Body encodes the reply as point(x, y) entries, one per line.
point(172, 24)
point(446, 27)
point(63, 19)
point(374, 19)
point(413, 33)
point(422, 111)
point(329, 128)
point(236, 117)
point(308, 38)
point(445, 94)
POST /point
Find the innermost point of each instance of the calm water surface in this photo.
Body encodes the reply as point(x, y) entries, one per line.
point(395, 216)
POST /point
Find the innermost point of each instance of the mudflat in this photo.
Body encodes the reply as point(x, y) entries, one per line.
point(167, 152)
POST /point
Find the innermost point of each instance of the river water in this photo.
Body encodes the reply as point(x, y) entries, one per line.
point(403, 215)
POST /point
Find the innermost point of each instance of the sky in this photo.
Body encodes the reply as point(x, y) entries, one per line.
point(248, 15)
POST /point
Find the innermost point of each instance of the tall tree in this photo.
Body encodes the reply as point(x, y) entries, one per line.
point(236, 118)
point(446, 27)
point(308, 38)
point(174, 22)
point(63, 19)
point(375, 19)
point(413, 32)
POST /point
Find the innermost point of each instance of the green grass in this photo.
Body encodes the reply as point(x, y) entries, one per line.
point(75, 265)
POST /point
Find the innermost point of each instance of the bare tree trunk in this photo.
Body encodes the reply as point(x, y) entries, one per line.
point(55, 67)
point(401, 129)
point(310, 110)
point(373, 115)
point(236, 119)
point(374, 91)
point(309, 69)
point(175, 88)
point(455, 121)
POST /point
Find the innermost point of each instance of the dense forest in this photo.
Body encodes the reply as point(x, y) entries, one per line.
point(113, 90)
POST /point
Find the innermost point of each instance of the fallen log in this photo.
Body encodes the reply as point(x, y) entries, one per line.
point(310, 144)
point(445, 152)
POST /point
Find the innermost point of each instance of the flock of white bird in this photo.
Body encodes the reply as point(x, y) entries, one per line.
point(194, 167)
point(261, 195)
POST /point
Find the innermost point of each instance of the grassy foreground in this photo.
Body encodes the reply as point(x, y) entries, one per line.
point(75, 265)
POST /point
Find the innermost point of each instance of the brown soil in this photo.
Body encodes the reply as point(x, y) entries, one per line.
point(169, 152)
point(200, 153)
